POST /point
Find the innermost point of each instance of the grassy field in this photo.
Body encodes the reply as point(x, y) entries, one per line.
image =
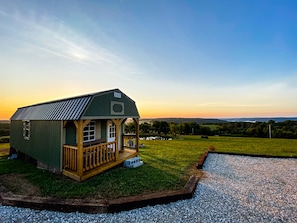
point(246, 145)
point(168, 164)
point(211, 126)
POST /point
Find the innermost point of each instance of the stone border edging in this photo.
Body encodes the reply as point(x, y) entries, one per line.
point(201, 160)
point(99, 206)
point(252, 155)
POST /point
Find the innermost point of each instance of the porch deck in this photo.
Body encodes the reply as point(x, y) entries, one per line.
point(94, 159)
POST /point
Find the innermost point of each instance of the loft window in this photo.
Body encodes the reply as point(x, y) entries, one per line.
point(117, 95)
point(90, 132)
point(26, 129)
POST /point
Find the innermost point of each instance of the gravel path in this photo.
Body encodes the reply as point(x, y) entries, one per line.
point(234, 189)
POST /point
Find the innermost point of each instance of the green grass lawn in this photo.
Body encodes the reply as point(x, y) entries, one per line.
point(247, 145)
point(167, 166)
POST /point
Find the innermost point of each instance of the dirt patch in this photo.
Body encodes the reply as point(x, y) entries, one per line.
point(192, 170)
point(18, 184)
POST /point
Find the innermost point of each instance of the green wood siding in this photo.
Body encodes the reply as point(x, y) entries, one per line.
point(70, 134)
point(101, 106)
point(103, 129)
point(44, 144)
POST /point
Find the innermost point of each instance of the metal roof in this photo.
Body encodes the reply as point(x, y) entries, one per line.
point(67, 109)
point(58, 110)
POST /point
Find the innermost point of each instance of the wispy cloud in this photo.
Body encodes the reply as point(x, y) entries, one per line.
point(51, 37)
point(70, 45)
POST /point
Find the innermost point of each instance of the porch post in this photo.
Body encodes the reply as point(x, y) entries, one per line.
point(136, 120)
point(117, 123)
point(80, 124)
point(79, 133)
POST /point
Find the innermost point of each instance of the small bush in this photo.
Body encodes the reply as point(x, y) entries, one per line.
point(211, 148)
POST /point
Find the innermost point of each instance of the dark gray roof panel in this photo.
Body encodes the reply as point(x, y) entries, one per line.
point(75, 108)
point(67, 109)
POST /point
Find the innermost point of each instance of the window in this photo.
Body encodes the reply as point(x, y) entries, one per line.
point(90, 132)
point(26, 129)
point(117, 95)
point(112, 130)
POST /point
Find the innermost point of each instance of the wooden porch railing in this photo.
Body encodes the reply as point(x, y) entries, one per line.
point(93, 156)
point(129, 141)
point(70, 157)
point(97, 155)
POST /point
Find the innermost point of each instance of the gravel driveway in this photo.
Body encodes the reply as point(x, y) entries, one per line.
point(234, 189)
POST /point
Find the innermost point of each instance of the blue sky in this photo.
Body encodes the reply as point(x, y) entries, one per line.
point(174, 58)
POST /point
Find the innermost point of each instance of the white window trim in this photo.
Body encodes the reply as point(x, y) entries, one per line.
point(89, 133)
point(112, 131)
point(26, 129)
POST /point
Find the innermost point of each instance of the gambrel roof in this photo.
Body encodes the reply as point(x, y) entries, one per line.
point(96, 105)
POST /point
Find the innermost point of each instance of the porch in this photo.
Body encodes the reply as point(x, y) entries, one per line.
point(94, 159)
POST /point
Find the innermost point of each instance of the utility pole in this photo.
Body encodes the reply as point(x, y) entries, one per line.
point(269, 130)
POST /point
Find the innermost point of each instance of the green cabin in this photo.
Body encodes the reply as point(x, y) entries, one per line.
point(80, 136)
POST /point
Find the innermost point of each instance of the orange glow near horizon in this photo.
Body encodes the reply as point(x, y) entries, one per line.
point(8, 107)
point(206, 112)
point(8, 111)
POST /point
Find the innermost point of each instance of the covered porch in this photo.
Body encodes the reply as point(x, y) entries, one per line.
point(85, 160)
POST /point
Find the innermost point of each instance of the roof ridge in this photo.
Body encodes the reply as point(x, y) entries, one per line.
point(70, 98)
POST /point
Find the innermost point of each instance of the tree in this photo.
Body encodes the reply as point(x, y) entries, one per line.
point(157, 127)
point(185, 128)
point(145, 127)
point(174, 128)
point(205, 131)
point(194, 128)
point(164, 127)
point(130, 127)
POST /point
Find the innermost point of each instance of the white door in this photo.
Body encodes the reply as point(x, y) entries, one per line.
point(111, 134)
point(111, 131)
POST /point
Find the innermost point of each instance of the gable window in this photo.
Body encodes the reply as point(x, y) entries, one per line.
point(26, 129)
point(90, 132)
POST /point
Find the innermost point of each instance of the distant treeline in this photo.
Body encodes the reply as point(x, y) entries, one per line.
point(4, 131)
point(185, 120)
point(4, 128)
point(286, 129)
point(164, 128)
